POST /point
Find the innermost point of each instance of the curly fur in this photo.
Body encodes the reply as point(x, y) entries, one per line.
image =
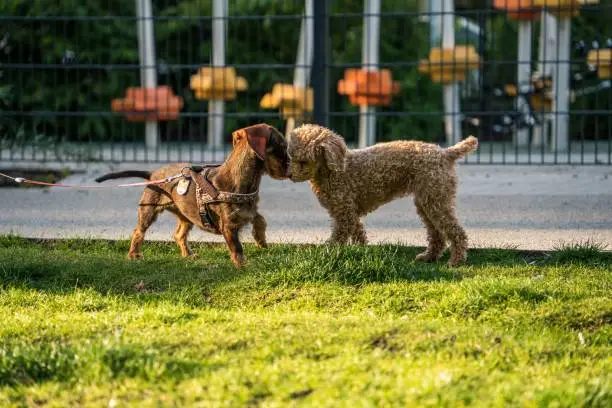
point(353, 183)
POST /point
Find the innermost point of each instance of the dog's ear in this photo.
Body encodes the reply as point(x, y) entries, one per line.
point(258, 137)
point(332, 150)
point(237, 136)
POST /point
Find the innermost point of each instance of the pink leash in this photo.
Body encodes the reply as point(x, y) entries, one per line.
point(20, 180)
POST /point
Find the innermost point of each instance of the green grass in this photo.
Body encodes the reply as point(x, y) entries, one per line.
point(302, 325)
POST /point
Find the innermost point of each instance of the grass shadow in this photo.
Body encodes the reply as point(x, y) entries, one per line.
point(27, 364)
point(63, 265)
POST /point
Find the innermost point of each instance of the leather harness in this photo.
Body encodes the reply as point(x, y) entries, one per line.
point(207, 193)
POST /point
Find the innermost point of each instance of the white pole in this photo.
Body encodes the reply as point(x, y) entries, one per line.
point(452, 117)
point(523, 74)
point(435, 25)
point(216, 109)
point(146, 50)
point(370, 60)
point(561, 89)
point(303, 62)
point(547, 51)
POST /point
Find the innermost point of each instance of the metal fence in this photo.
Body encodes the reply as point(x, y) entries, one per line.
point(169, 80)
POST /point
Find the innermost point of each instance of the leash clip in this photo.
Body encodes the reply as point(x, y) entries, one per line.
point(187, 175)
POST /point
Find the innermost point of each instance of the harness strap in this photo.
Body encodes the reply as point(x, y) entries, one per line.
point(205, 186)
point(236, 198)
point(207, 193)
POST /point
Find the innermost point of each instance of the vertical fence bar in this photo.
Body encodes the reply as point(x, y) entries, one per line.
point(452, 114)
point(148, 74)
point(320, 66)
point(561, 84)
point(547, 53)
point(370, 60)
point(303, 61)
point(216, 109)
point(609, 130)
point(484, 80)
point(523, 73)
point(435, 25)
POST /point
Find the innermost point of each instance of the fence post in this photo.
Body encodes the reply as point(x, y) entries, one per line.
point(370, 59)
point(452, 112)
point(435, 23)
point(547, 54)
point(523, 76)
point(216, 108)
point(146, 50)
point(320, 77)
point(561, 86)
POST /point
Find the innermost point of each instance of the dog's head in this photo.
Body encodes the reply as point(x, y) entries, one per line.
point(268, 145)
point(314, 149)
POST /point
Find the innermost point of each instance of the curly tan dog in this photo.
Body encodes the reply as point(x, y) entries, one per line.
point(258, 150)
point(353, 183)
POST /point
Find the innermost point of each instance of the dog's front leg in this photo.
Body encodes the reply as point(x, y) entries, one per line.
point(359, 236)
point(234, 245)
point(259, 230)
point(342, 229)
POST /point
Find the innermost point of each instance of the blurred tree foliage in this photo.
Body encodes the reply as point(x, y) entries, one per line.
point(90, 48)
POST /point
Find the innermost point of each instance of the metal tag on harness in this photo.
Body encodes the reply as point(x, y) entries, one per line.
point(183, 186)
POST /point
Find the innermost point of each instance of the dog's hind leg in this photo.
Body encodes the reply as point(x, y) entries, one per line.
point(259, 231)
point(435, 238)
point(459, 243)
point(443, 217)
point(183, 227)
point(148, 210)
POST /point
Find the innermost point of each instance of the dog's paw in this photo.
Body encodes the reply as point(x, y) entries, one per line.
point(358, 241)
point(261, 244)
point(239, 260)
point(457, 260)
point(192, 255)
point(426, 257)
point(332, 241)
point(135, 255)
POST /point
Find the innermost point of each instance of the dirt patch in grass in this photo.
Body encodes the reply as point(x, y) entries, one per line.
point(387, 341)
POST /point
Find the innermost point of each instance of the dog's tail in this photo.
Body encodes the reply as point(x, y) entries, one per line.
point(124, 174)
point(462, 148)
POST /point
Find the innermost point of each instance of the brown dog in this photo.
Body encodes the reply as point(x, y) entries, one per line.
point(258, 150)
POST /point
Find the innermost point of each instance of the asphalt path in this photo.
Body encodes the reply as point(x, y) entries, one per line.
point(528, 207)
